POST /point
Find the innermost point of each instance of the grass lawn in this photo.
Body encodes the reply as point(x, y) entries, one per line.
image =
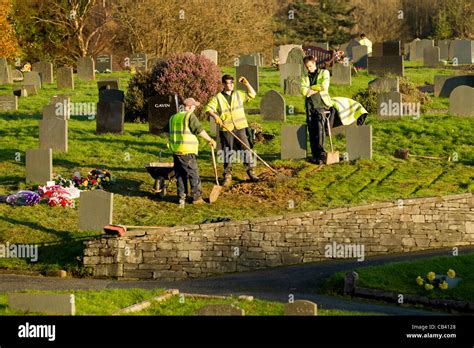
point(401, 277)
point(349, 183)
point(106, 302)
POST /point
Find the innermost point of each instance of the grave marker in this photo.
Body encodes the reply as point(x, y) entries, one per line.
point(39, 165)
point(110, 117)
point(211, 55)
point(463, 50)
point(293, 141)
point(283, 52)
point(30, 89)
point(384, 85)
point(292, 86)
point(95, 210)
point(359, 142)
point(385, 65)
point(52, 304)
point(32, 78)
point(444, 49)
point(86, 69)
point(296, 56)
point(221, 310)
point(103, 63)
point(111, 95)
point(53, 134)
point(301, 308)
point(389, 105)
point(8, 102)
point(65, 77)
point(420, 48)
point(160, 110)
point(16, 75)
point(289, 70)
point(45, 69)
point(272, 107)
point(444, 85)
point(360, 54)
point(139, 61)
point(431, 57)
point(341, 75)
point(112, 83)
point(250, 72)
point(461, 101)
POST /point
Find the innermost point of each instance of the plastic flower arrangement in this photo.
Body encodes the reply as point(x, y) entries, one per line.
point(431, 280)
point(21, 198)
point(96, 179)
point(56, 195)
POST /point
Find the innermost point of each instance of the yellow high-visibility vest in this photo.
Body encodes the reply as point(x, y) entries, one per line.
point(233, 115)
point(181, 140)
point(349, 110)
point(322, 82)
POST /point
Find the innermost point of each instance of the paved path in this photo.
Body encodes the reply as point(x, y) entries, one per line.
point(271, 284)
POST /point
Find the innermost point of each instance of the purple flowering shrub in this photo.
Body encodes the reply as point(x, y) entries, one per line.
point(186, 74)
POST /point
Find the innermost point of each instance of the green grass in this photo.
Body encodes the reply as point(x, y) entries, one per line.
point(384, 178)
point(107, 302)
point(400, 277)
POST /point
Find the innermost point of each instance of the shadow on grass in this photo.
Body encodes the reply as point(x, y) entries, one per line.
point(66, 235)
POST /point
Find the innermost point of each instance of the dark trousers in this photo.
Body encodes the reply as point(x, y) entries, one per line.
point(230, 146)
point(186, 168)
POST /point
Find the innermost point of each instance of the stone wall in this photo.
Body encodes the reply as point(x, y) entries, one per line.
point(208, 249)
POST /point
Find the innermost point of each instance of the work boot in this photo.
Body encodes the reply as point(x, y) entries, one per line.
point(253, 177)
point(198, 201)
point(227, 180)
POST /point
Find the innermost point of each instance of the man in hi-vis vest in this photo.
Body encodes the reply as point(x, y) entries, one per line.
point(227, 108)
point(183, 128)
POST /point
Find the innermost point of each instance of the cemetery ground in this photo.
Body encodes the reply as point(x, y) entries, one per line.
point(400, 277)
point(348, 183)
point(109, 301)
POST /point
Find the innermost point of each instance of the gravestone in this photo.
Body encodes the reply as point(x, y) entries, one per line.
point(461, 101)
point(30, 89)
point(341, 75)
point(301, 308)
point(463, 50)
point(293, 141)
point(323, 45)
point(272, 107)
point(50, 112)
point(5, 75)
point(384, 85)
point(391, 48)
point(377, 49)
point(108, 84)
point(431, 57)
point(289, 70)
point(8, 102)
point(412, 51)
point(32, 78)
point(65, 77)
point(444, 49)
point(111, 95)
point(292, 86)
point(39, 165)
point(103, 63)
point(220, 310)
point(350, 282)
point(95, 210)
point(160, 110)
point(139, 61)
point(110, 117)
point(52, 304)
point(248, 59)
point(359, 142)
point(420, 48)
point(385, 65)
point(283, 52)
point(53, 134)
point(16, 75)
point(359, 56)
point(45, 69)
point(212, 55)
point(348, 49)
point(250, 72)
point(444, 85)
point(296, 56)
point(86, 69)
point(389, 105)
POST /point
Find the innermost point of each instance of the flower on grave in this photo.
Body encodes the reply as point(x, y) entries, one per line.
point(444, 285)
point(431, 276)
point(429, 287)
point(420, 281)
point(107, 178)
point(451, 273)
point(85, 183)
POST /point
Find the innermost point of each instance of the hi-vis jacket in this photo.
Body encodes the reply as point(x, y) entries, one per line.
point(348, 110)
point(181, 140)
point(233, 115)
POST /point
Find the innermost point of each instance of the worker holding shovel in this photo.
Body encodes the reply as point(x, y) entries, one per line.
point(228, 110)
point(183, 128)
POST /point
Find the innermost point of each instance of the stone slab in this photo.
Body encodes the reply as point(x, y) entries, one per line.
point(65, 77)
point(300, 308)
point(461, 101)
point(386, 65)
point(95, 210)
point(110, 117)
point(420, 48)
point(108, 84)
point(86, 69)
point(389, 105)
point(52, 304)
point(283, 51)
point(360, 54)
point(31, 89)
point(32, 78)
point(463, 50)
point(292, 86)
point(103, 63)
point(45, 69)
point(8, 102)
point(293, 142)
point(273, 107)
point(444, 49)
point(5, 75)
point(431, 57)
point(220, 310)
point(341, 75)
point(111, 95)
point(160, 110)
point(39, 165)
point(296, 56)
point(250, 72)
point(139, 61)
point(359, 142)
point(289, 70)
point(53, 134)
point(444, 85)
point(212, 55)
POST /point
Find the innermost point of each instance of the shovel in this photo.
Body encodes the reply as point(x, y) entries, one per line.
point(405, 153)
point(216, 189)
point(333, 156)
